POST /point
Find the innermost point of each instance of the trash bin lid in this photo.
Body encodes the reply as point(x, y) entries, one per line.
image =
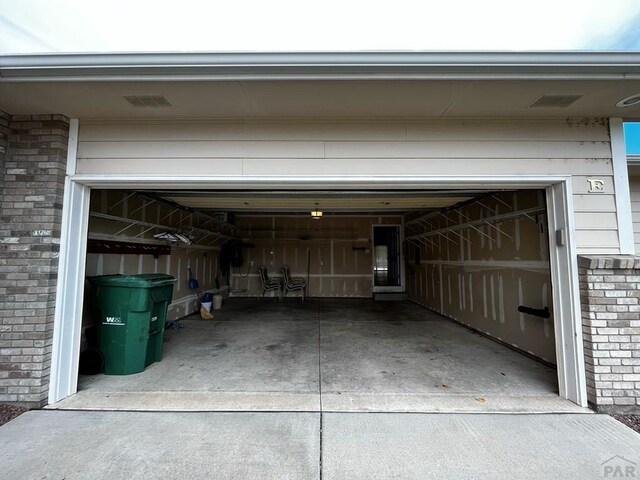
point(144, 280)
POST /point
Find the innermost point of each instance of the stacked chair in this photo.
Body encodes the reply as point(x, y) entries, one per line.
point(282, 285)
point(293, 283)
point(270, 284)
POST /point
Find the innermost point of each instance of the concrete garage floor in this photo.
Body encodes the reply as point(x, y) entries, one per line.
point(313, 446)
point(331, 356)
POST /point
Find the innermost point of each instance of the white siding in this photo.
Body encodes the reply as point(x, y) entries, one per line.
point(174, 148)
point(634, 185)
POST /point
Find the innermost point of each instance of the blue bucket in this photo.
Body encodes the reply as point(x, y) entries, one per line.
point(207, 297)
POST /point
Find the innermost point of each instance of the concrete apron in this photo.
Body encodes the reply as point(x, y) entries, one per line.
point(125, 445)
point(292, 402)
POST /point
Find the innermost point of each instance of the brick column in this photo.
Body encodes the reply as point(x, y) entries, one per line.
point(4, 140)
point(610, 299)
point(30, 216)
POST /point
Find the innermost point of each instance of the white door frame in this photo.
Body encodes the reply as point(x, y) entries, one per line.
point(564, 272)
point(566, 293)
point(401, 287)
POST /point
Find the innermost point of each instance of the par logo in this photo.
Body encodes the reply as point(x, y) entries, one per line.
point(619, 467)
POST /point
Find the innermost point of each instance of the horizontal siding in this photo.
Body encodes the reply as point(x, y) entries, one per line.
point(201, 149)
point(597, 220)
point(582, 202)
point(467, 149)
point(348, 150)
point(374, 148)
point(592, 239)
point(515, 132)
point(634, 184)
point(167, 131)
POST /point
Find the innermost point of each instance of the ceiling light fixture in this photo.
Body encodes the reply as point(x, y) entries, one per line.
point(629, 101)
point(316, 213)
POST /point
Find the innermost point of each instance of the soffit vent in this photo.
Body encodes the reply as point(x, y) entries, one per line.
point(555, 101)
point(147, 100)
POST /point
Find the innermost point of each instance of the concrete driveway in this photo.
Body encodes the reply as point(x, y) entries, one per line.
point(241, 445)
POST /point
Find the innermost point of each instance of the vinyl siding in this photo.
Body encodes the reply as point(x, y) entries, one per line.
point(482, 147)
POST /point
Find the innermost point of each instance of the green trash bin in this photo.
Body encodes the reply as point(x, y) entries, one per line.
point(132, 310)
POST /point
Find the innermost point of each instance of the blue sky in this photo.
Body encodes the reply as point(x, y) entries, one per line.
point(632, 137)
point(28, 26)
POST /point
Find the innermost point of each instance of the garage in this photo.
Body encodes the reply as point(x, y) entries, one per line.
point(376, 219)
point(411, 300)
point(380, 122)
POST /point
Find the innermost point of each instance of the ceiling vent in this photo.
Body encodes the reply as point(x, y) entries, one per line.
point(555, 101)
point(147, 100)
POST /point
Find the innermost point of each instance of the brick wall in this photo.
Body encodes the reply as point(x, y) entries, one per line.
point(610, 299)
point(4, 138)
point(30, 215)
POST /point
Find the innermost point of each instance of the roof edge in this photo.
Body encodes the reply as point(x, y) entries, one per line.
point(320, 65)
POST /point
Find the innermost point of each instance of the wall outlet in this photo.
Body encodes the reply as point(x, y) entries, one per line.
point(251, 263)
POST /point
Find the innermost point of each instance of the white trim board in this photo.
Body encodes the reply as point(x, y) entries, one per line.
point(72, 146)
point(70, 290)
point(566, 294)
point(621, 186)
point(67, 323)
point(295, 182)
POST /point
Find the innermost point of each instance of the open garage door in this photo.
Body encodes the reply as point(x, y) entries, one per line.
point(412, 300)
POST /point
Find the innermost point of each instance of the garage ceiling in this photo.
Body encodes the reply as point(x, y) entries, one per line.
point(297, 202)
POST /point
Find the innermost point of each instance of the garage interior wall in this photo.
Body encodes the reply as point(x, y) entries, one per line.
point(479, 276)
point(634, 187)
point(333, 253)
point(576, 147)
point(202, 259)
